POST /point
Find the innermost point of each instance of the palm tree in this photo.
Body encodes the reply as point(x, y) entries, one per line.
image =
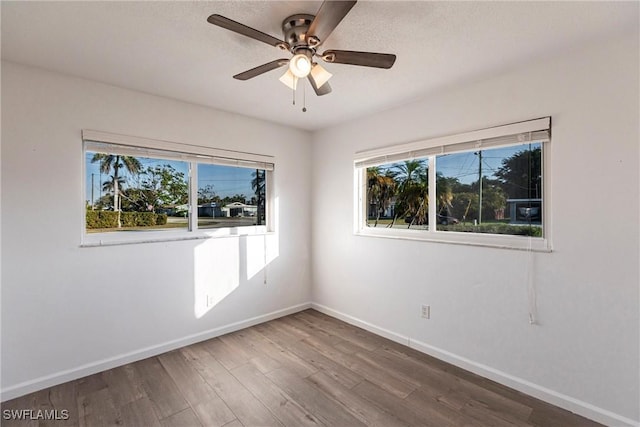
point(381, 188)
point(110, 185)
point(116, 161)
point(411, 172)
point(413, 195)
point(258, 183)
point(444, 194)
point(373, 189)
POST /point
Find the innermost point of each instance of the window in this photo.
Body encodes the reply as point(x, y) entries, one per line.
point(230, 196)
point(138, 190)
point(489, 188)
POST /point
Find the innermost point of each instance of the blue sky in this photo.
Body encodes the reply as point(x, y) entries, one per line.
point(464, 166)
point(227, 180)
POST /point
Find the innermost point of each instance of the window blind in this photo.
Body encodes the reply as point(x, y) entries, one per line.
point(103, 142)
point(538, 130)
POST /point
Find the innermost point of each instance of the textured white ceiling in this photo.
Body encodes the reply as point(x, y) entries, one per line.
point(169, 49)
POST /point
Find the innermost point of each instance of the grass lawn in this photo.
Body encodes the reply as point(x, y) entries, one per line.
point(489, 227)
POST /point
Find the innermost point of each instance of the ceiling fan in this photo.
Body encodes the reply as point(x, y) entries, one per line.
point(303, 35)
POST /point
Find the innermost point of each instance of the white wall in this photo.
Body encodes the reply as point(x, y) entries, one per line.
point(84, 309)
point(584, 354)
point(67, 311)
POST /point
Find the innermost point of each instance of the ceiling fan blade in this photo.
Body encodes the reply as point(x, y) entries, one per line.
point(322, 90)
point(366, 59)
point(239, 28)
point(327, 19)
point(261, 69)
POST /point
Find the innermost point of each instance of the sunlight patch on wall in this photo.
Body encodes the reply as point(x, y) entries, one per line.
point(273, 240)
point(216, 272)
point(256, 254)
point(262, 249)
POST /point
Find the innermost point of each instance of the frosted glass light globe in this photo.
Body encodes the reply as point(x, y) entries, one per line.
point(300, 65)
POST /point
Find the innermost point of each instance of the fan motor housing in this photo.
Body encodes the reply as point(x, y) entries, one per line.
point(295, 29)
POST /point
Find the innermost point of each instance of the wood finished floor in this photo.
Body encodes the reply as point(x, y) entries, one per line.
point(306, 369)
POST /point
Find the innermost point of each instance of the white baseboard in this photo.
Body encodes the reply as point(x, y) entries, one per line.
point(569, 403)
point(40, 383)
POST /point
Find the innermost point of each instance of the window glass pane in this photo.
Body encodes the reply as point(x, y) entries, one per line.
point(231, 196)
point(127, 193)
point(397, 195)
point(496, 191)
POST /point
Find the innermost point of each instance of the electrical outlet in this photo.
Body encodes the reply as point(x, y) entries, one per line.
point(426, 311)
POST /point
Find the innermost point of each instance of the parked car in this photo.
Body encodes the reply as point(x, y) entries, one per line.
point(447, 220)
point(529, 213)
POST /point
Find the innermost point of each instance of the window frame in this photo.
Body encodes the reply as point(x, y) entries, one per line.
point(192, 155)
point(523, 132)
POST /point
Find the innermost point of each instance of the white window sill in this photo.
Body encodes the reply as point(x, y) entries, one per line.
point(522, 243)
point(92, 240)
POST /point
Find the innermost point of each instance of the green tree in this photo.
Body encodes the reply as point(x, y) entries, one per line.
point(381, 188)
point(165, 186)
point(444, 193)
point(520, 175)
point(464, 203)
point(113, 185)
point(136, 199)
point(494, 199)
point(258, 183)
point(207, 194)
point(103, 203)
point(116, 162)
point(412, 197)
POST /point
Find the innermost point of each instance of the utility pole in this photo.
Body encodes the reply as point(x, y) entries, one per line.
point(92, 190)
point(479, 154)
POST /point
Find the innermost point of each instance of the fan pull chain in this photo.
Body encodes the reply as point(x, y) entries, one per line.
point(304, 98)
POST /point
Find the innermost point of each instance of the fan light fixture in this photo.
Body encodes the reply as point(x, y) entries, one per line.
point(320, 75)
point(289, 79)
point(300, 65)
point(302, 35)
